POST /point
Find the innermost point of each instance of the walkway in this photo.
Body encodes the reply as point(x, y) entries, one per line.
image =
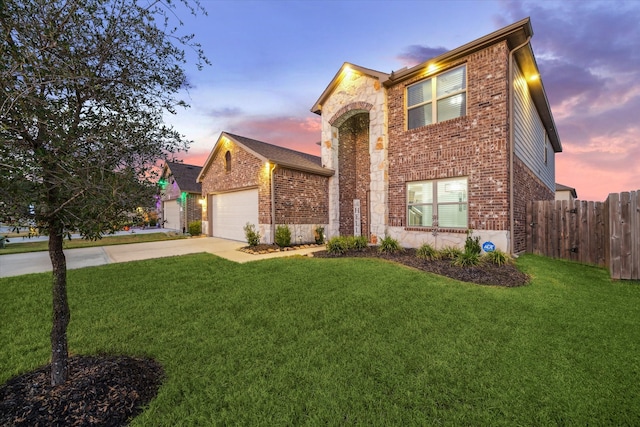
point(39, 262)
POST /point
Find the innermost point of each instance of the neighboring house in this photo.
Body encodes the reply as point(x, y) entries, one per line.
point(180, 195)
point(248, 181)
point(462, 141)
point(565, 193)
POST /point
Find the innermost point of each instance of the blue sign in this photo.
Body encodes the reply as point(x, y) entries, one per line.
point(488, 247)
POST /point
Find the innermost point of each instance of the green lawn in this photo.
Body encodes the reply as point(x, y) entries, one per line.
point(26, 246)
point(348, 341)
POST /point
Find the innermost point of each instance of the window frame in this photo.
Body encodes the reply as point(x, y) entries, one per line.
point(434, 97)
point(435, 205)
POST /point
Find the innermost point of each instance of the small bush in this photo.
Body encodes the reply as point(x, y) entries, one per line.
point(497, 257)
point(195, 228)
point(318, 235)
point(253, 237)
point(359, 243)
point(427, 252)
point(449, 252)
point(337, 245)
point(472, 244)
point(467, 259)
point(283, 236)
point(389, 245)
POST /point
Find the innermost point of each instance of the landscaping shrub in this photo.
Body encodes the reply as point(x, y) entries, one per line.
point(449, 252)
point(358, 243)
point(337, 245)
point(389, 245)
point(195, 228)
point(318, 234)
point(283, 236)
point(253, 237)
point(497, 257)
point(427, 252)
point(472, 244)
point(467, 259)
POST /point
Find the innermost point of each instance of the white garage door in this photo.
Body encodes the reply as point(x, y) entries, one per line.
point(171, 211)
point(231, 211)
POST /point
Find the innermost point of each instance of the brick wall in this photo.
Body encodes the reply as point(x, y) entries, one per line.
point(527, 187)
point(246, 171)
point(354, 176)
point(473, 146)
point(194, 208)
point(300, 197)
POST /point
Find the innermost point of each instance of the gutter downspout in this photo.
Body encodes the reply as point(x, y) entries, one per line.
point(511, 143)
point(273, 205)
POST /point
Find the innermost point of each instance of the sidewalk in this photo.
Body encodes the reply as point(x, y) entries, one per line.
point(39, 262)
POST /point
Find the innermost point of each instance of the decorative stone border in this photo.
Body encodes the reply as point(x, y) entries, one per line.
point(267, 249)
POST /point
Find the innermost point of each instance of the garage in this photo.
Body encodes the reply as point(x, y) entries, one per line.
point(171, 210)
point(231, 211)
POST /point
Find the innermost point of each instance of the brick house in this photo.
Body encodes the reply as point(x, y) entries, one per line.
point(461, 141)
point(249, 181)
point(180, 195)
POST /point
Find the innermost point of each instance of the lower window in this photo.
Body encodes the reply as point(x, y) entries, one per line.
point(437, 203)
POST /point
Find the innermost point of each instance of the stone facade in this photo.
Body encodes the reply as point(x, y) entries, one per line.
point(357, 94)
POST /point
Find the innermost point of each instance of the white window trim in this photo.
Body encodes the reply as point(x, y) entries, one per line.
point(434, 204)
point(434, 97)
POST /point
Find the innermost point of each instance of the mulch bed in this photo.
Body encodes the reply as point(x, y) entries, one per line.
point(101, 390)
point(485, 274)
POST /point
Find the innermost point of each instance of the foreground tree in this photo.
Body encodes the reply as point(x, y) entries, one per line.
point(85, 84)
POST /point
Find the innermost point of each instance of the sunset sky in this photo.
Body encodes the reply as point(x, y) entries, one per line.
point(271, 60)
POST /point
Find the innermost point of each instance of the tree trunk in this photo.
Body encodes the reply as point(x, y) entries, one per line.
point(61, 315)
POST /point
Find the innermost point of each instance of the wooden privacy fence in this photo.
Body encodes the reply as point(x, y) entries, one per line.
point(600, 233)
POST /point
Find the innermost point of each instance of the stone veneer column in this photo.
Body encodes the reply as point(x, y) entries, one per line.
point(357, 93)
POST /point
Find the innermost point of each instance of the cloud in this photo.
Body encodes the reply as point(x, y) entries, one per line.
point(296, 133)
point(225, 112)
point(415, 54)
point(590, 66)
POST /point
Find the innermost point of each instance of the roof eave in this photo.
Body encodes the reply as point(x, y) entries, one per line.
point(529, 67)
point(514, 34)
point(337, 79)
point(315, 171)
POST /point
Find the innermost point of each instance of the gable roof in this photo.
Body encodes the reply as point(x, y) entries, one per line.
point(280, 156)
point(185, 175)
point(560, 187)
point(514, 35)
point(340, 75)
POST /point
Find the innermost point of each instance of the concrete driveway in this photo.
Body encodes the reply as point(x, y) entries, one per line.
point(39, 262)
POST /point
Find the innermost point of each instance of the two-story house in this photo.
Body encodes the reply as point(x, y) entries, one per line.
point(461, 141)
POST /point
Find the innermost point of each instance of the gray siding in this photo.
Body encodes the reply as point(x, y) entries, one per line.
point(530, 138)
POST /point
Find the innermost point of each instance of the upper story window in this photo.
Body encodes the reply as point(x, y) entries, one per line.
point(227, 161)
point(437, 99)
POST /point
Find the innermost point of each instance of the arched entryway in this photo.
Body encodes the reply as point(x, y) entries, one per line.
point(354, 174)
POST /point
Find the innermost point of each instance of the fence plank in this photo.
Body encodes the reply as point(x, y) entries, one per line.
point(601, 233)
point(614, 223)
point(635, 235)
point(625, 235)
